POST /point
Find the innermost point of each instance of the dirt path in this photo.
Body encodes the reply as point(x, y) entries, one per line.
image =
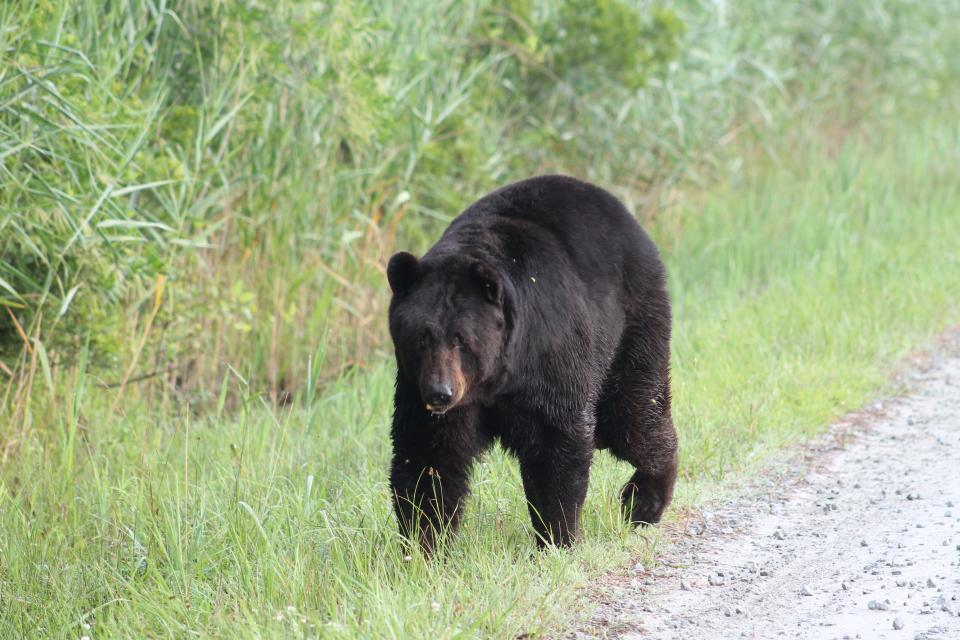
point(859, 540)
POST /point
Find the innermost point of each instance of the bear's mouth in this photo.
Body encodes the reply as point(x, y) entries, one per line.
point(436, 410)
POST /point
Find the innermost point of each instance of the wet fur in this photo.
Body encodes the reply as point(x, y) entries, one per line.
point(581, 362)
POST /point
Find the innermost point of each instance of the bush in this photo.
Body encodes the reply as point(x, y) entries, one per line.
point(90, 194)
point(265, 160)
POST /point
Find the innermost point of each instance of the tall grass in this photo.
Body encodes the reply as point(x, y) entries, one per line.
point(196, 200)
point(252, 166)
point(796, 288)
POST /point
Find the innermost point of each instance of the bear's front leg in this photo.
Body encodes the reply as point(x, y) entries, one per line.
point(555, 479)
point(427, 497)
point(429, 473)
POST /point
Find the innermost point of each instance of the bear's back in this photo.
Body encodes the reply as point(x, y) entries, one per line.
point(552, 213)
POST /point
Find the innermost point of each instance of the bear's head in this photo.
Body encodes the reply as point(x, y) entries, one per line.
point(448, 325)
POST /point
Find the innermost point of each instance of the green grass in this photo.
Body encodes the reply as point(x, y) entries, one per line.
point(798, 285)
point(265, 160)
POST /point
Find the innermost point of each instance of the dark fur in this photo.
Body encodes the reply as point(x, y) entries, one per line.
point(549, 302)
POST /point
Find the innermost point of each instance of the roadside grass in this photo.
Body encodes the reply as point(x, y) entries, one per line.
point(790, 295)
point(797, 286)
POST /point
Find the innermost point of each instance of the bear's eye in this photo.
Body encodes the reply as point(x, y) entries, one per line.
point(424, 341)
point(457, 341)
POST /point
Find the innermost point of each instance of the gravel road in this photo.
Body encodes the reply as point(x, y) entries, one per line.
point(858, 537)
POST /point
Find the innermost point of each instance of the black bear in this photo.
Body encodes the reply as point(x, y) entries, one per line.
point(540, 318)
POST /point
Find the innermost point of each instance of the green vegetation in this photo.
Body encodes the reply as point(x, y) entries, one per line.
point(209, 191)
point(264, 160)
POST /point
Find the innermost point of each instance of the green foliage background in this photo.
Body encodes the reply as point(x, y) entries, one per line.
point(265, 159)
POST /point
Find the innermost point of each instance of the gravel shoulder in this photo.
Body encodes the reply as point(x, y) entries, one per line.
point(857, 537)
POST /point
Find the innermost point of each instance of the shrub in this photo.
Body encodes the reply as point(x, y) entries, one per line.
point(264, 160)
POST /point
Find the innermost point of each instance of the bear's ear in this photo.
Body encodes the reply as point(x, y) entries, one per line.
point(488, 280)
point(402, 271)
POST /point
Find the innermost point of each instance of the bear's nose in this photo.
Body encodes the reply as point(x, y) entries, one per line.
point(438, 396)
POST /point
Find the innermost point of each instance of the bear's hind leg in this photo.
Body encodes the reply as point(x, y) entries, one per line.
point(633, 421)
point(646, 495)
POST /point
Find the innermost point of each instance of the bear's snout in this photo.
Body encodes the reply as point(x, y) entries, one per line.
point(437, 396)
point(442, 383)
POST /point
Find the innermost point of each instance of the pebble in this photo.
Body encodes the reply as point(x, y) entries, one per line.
point(685, 585)
point(715, 580)
point(805, 591)
point(876, 605)
point(898, 623)
point(931, 583)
